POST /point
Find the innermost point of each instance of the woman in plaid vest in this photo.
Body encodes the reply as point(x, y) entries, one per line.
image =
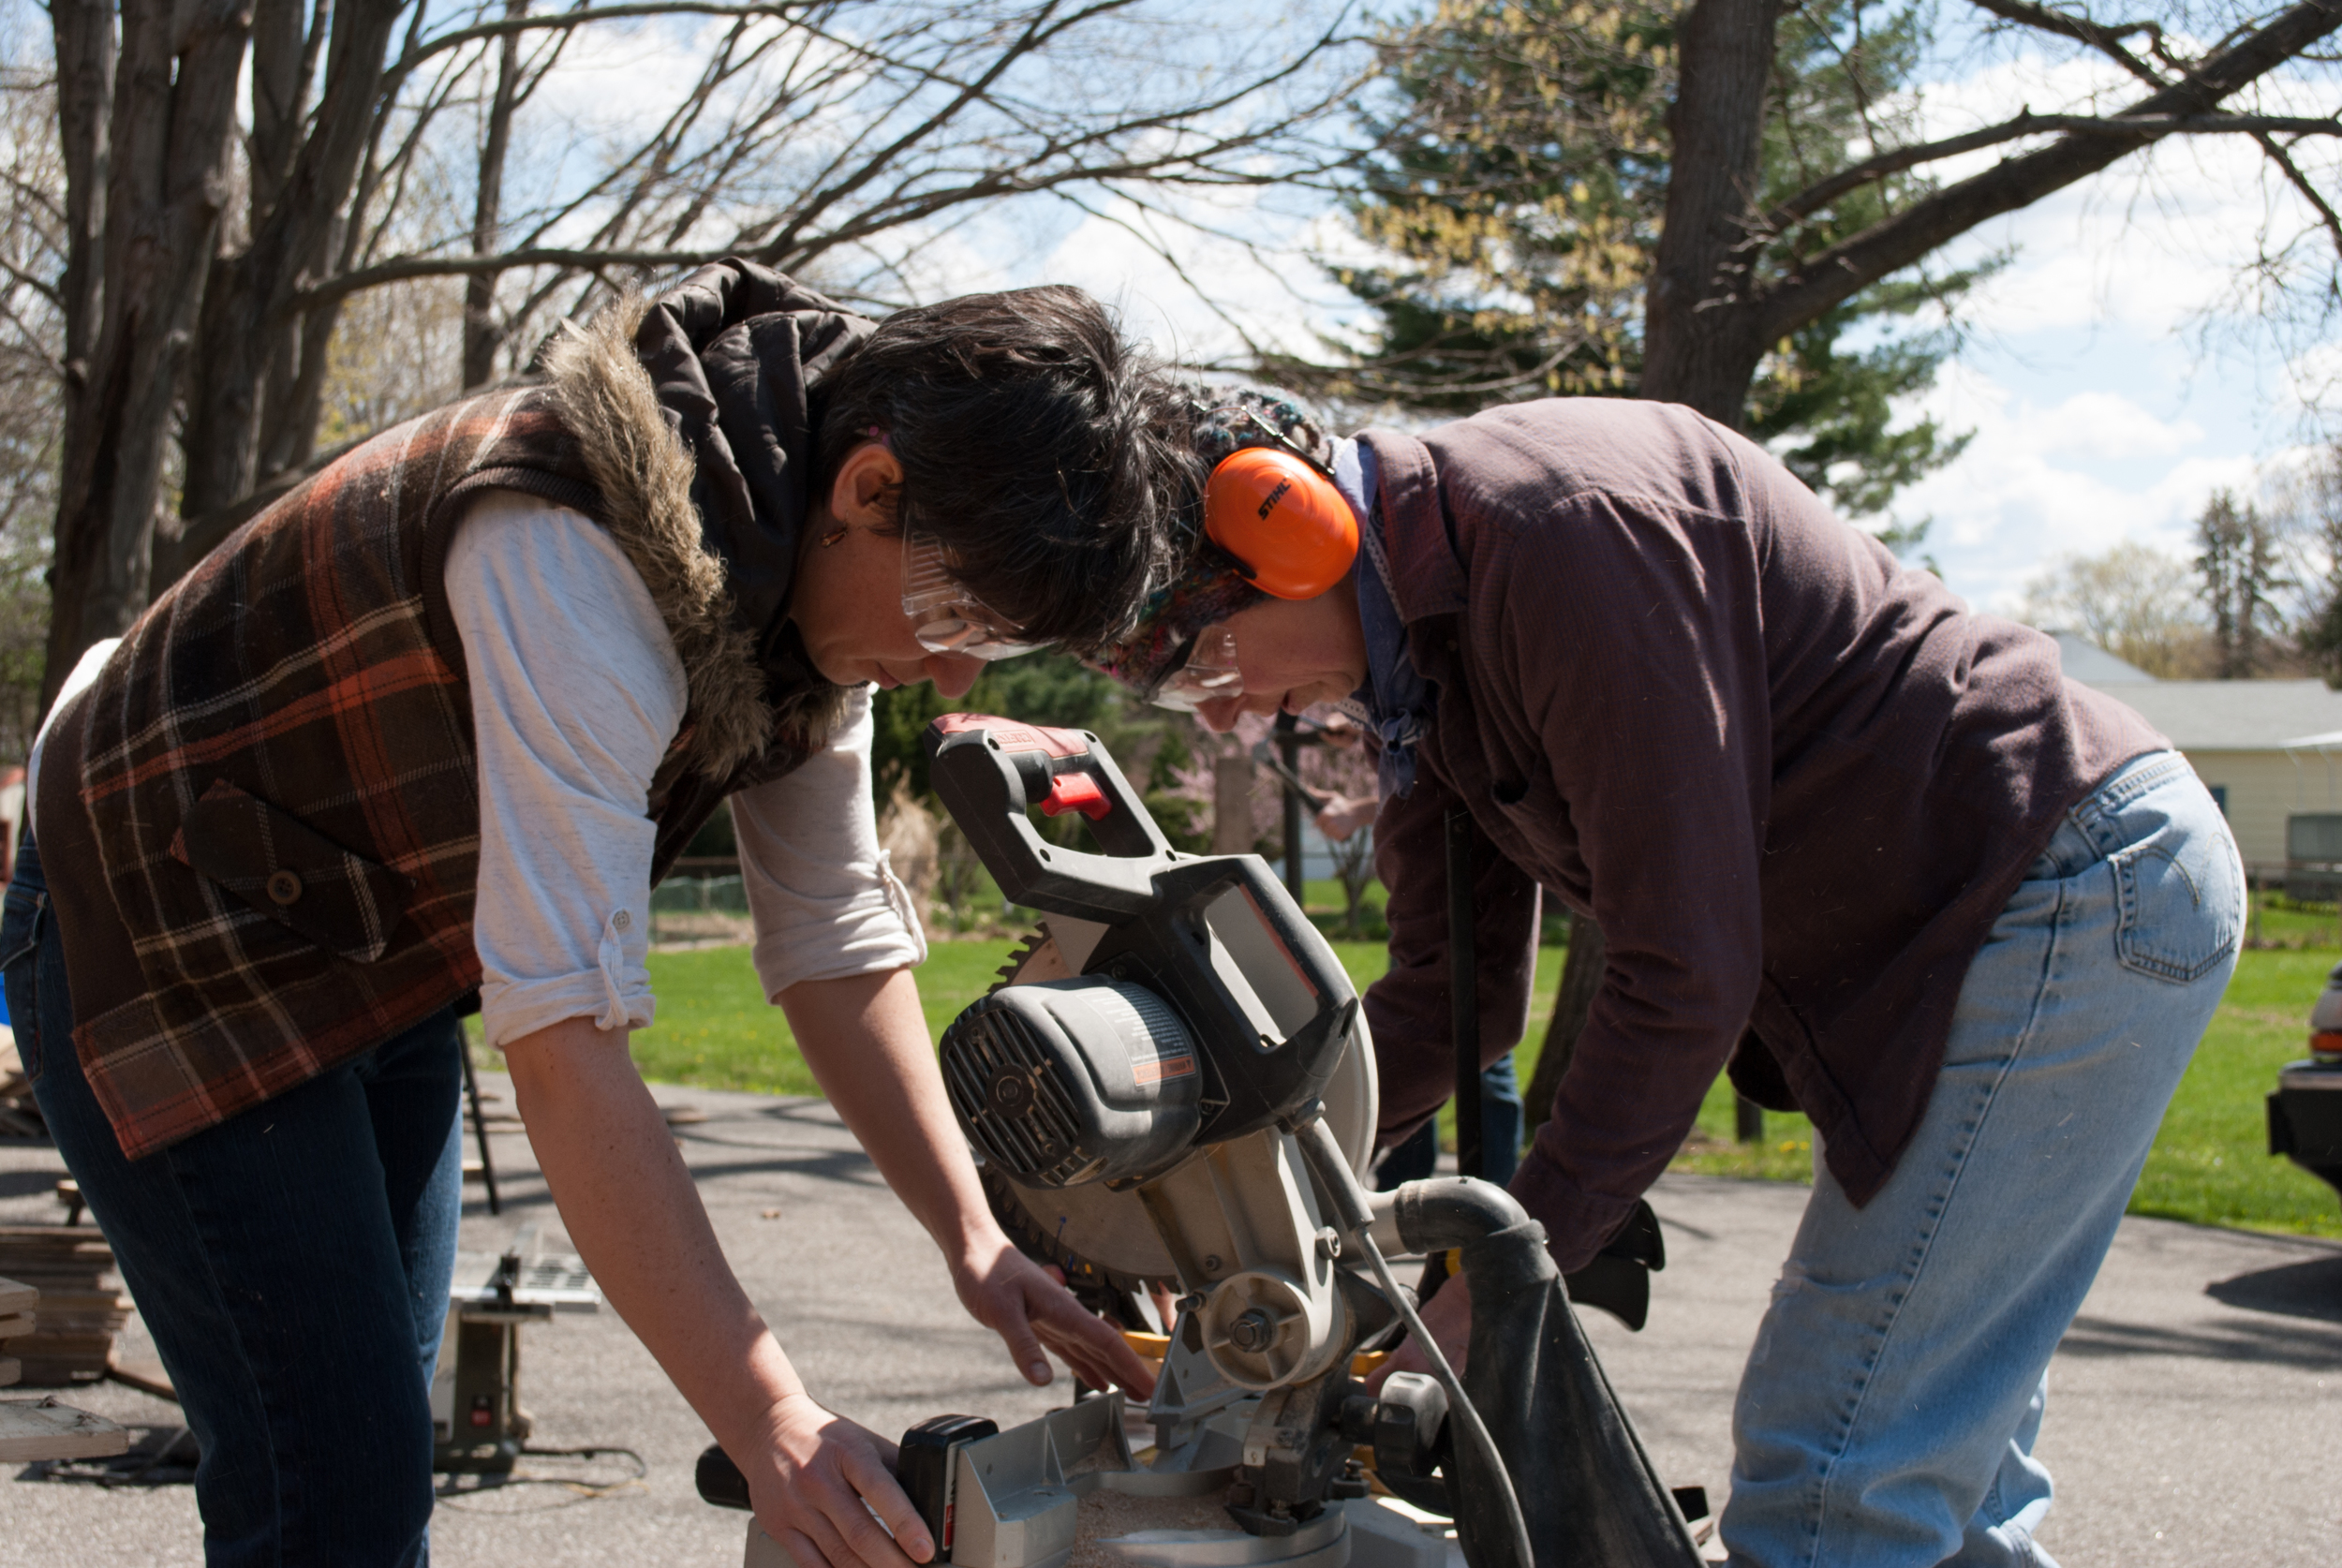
point(423, 733)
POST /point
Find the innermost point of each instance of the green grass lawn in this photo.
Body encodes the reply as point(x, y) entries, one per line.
point(2277, 921)
point(2209, 1164)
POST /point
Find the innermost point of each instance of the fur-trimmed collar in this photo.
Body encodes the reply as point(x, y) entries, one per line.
point(643, 474)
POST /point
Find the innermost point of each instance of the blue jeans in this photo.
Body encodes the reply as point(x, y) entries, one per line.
point(291, 1262)
point(1500, 1134)
point(1890, 1403)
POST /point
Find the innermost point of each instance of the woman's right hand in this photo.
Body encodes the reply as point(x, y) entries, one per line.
point(815, 1471)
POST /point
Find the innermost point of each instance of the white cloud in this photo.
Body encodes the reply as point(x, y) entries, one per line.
point(2113, 371)
point(2074, 476)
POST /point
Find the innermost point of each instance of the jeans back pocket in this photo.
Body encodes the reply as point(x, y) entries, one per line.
point(2181, 894)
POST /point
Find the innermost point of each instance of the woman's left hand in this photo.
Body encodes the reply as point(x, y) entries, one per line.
point(1028, 1307)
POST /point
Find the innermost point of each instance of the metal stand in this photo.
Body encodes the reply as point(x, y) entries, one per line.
point(1289, 748)
point(478, 1426)
point(479, 1125)
point(1463, 994)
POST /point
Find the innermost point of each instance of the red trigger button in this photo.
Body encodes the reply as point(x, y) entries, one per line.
point(1075, 792)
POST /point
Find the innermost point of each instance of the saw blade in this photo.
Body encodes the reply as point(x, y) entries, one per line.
point(1037, 958)
point(1077, 1214)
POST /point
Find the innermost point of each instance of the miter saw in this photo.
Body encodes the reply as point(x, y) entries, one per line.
point(1173, 1088)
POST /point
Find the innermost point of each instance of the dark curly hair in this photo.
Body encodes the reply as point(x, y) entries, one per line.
point(1045, 452)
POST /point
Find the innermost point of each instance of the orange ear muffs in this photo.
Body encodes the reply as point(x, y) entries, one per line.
point(1285, 522)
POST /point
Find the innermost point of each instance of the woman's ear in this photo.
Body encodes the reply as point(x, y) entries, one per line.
point(867, 484)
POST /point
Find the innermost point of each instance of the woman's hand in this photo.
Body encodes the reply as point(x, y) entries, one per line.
point(1343, 816)
point(1028, 1307)
point(813, 1474)
point(1448, 1316)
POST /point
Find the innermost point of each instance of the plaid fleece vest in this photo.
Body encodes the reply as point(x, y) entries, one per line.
point(280, 775)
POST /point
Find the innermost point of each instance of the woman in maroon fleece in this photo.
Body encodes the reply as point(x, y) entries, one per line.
point(1865, 849)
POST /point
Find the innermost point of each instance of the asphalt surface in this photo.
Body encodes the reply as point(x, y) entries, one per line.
point(2195, 1410)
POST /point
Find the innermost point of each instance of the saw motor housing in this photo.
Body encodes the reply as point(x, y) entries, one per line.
point(1069, 1081)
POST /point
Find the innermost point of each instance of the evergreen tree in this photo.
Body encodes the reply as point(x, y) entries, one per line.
point(2239, 564)
point(1521, 187)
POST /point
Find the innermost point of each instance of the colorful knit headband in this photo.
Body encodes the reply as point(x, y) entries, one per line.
point(1209, 588)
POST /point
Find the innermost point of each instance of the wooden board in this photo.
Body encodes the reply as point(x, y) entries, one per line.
point(12, 1326)
point(147, 1377)
point(44, 1430)
point(15, 1298)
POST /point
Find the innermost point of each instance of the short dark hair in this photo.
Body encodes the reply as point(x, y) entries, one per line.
point(1044, 450)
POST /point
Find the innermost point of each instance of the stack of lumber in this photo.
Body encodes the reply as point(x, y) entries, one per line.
point(82, 1306)
point(16, 1320)
point(43, 1428)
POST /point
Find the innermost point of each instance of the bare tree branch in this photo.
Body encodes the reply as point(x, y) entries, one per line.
point(2105, 39)
point(1838, 273)
point(2283, 158)
point(47, 289)
point(1042, 26)
point(2027, 123)
point(456, 38)
point(405, 267)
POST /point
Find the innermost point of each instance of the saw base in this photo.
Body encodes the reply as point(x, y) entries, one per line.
point(1064, 1491)
point(1371, 1532)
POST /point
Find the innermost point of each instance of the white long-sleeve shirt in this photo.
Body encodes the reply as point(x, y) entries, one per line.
point(576, 694)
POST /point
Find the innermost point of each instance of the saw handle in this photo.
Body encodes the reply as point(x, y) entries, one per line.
point(989, 772)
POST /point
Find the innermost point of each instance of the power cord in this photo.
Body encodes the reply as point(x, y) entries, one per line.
point(1325, 1156)
point(581, 1490)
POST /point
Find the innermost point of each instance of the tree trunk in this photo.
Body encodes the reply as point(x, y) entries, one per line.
point(222, 438)
point(1232, 804)
point(1581, 977)
point(84, 33)
point(1701, 344)
point(483, 335)
point(1707, 324)
point(174, 104)
point(1700, 330)
point(256, 345)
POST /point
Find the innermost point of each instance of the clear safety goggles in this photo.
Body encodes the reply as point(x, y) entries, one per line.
point(1209, 674)
point(946, 614)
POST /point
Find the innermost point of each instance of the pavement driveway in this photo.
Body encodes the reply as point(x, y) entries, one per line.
point(2195, 1411)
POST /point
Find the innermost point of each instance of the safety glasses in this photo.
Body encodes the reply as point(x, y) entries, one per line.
point(946, 614)
point(1209, 674)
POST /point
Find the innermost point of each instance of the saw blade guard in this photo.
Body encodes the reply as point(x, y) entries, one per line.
point(1217, 937)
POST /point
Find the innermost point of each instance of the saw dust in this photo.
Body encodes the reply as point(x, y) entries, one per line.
point(1105, 1515)
point(1107, 1455)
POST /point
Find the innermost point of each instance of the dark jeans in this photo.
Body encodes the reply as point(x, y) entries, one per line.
point(291, 1262)
point(1500, 1134)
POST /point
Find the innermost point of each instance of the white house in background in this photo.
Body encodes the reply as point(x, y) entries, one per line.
point(2269, 749)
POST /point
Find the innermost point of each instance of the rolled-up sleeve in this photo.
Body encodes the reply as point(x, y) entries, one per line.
point(576, 694)
point(824, 899)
